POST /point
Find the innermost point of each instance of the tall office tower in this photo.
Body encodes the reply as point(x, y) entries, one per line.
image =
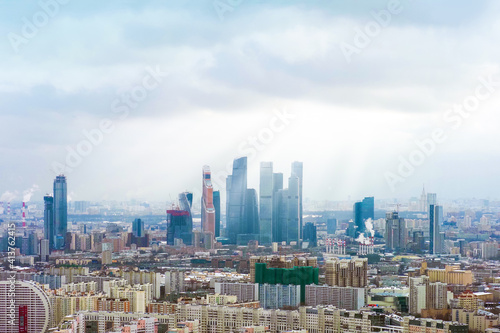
point(423, 201)
point(294, 217)
point(431, 200)
point(237, 189)
point(435, 221)
point(60, 212)
point(395, 232)
point(48, 220)
point(266, 202)
point(249, 228)
point(280, 207)
point(138, 228)
point(298, 171)
point(277, 186)
point(363, 210)
point(180, 221)
point(207, 202)
point(217, 212)
point(310, 234)
point(331, 226)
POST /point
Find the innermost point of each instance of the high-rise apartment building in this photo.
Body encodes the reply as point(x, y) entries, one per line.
point(31, 309)
point(207, 202)
point(347, 272)
point(395, 232)
point(60, 223)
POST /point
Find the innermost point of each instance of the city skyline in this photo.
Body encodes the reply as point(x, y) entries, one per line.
point(247, 89)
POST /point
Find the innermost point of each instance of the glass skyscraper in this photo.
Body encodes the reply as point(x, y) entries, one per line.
point(236, 187)
point(207, 202)
point(276, 224)
point(294, 217)
point(180, 221)
point(266, 202)
point(435, 221)
point(48, 220)
point(298, 171)
point(138, 228)
point(60, 223)
point(217, 212)
point(363, 211)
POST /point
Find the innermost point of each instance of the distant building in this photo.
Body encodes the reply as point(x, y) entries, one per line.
point(331, 226)
point(60, 224)
point(266, 203)
point(347, 272)
point(48, 220)
point(435, 222)
point(207, 202)
point(363, 211)
point(236, 187)
point(245, 292)
point(298, 172)
point(32, 308)
point(180, 221)
point(395, 232)
point(217, 212)
point(138, 228)
point(348, 298)
point(278, 296)
point(309, 234)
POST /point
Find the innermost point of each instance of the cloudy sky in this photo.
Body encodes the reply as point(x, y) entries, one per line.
point(164, 87)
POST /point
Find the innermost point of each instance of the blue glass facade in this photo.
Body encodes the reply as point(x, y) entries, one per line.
point(236, 193)
point(60, 223)
point(266, 202)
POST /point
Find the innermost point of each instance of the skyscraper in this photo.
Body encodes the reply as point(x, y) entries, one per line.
point(431, 199)
point(138, 228)
point(310, 234)
point(294, 217)
point(236, 192)
point(395, 232)
point(423, 201)
point(60, 224)
point(266, 202)
point(207, 203)
point(435, 221)
point(298, 171)
point(277, 186)
point(217, 212)
point(180, 221)
point(363, 211)
point(48, 220)
point(249, 229)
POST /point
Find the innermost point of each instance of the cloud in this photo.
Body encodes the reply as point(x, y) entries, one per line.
point(226, 77)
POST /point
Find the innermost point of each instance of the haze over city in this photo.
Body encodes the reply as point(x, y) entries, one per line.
point(215, 80)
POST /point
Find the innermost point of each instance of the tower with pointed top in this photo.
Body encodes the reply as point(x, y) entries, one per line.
point(423, 200)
